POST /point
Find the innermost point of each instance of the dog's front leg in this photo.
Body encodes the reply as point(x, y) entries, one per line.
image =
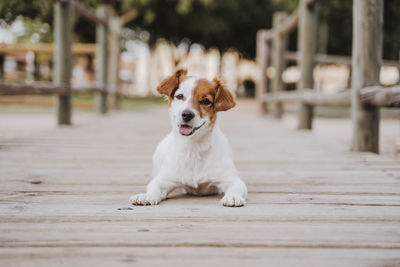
point(157, 190)
point(235, 193)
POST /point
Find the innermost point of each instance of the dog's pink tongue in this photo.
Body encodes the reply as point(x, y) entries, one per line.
point(185, 129)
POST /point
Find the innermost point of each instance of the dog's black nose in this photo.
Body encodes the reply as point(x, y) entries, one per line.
point(187, 115)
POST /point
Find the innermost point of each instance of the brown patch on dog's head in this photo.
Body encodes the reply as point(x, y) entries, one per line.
point(170, 84)
point(212, 97)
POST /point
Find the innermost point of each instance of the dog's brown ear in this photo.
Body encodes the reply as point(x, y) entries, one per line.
point(224, 100)
point(169, 85)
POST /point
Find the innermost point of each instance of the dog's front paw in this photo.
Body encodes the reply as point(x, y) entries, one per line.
point(233, 200)
point(143, 199)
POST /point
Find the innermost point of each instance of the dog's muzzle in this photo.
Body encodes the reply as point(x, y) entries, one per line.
point(187, 130)
point(187, 115)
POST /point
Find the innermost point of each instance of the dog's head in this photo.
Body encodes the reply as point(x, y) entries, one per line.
point(194, 102)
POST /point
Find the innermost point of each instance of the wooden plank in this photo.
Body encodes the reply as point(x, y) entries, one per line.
point(192, 209)
point(46, 48)
point(197, 256)
point(140, 165)
point(367, 55)
point(310, 202)
point(341, 189)
point(115, 197)
point(225, 234)
point(320, 177)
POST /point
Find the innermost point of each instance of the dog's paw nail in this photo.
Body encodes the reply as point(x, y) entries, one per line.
point(138, 199)
point(142, 199)
point(233, 201)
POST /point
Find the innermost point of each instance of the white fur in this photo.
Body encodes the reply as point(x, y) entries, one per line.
point(200, 164)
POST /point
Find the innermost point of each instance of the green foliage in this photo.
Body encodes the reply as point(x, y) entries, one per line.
point(391, 22)
point(338, 14)
point(222, 23)
point(11, 9)
point(36, 31)
point(219, 23)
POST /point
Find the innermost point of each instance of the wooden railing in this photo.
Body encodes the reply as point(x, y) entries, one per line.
point(108, 29)
point(46, 48)
point(365, 96)
point(47, 88)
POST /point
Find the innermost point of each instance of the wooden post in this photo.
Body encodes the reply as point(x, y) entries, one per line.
point(101, 59)
point(307, 47)
point(115, 51)
point(366, 62)
point(262, 50)
point(279, 44)
point(63, 58)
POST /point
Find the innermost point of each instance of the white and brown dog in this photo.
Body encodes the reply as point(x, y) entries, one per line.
point(195, 156)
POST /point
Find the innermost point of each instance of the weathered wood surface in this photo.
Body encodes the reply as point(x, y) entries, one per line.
point(306, 42)
point(89, 14)
point(311, 203)
point(279, 45)
point(262, 58)
point(102, 59)
point(45, 48)
point(46, 88)
point(37, 88)
point(289, 24)
point(381, 96)
point(366, 64)
point(335, 59)
point(114, 61)
point(372, 96)
point(62, 58)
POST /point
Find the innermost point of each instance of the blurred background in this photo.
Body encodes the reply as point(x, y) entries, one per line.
point(210, 37)
point(65, 189)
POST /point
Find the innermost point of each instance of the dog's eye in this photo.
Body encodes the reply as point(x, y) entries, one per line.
point(205, 102)
point(180, 96)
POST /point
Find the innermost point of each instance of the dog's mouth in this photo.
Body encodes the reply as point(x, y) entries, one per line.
point(187, 130)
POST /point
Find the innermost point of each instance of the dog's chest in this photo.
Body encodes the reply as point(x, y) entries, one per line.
point(194, 166)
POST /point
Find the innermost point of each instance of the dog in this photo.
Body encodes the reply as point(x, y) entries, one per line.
point(195, 156)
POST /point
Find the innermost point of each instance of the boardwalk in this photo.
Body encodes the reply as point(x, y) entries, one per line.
point(64, 197)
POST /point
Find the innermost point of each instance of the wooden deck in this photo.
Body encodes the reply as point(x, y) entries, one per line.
point(64, 197)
